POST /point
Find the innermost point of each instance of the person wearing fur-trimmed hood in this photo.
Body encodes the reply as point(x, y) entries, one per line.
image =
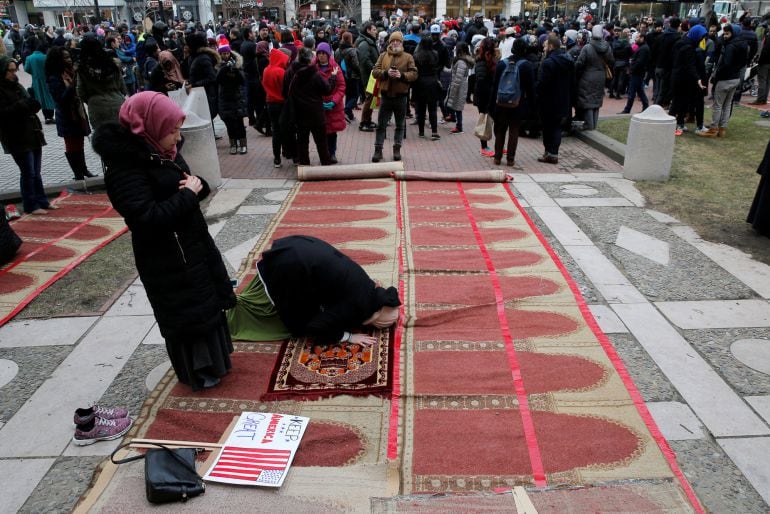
point(231, 102)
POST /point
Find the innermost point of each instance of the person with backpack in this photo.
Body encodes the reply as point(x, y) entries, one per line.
point(366, 46)
point(347, 56)
point(515, 91)
point(483, 93)
point(151, 55)
point(555, 91)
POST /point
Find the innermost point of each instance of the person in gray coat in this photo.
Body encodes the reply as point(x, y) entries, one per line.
point(458, 86)
point(591, 76)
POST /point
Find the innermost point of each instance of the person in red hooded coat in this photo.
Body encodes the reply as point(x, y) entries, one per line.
point(334, 103)
point(272, 83)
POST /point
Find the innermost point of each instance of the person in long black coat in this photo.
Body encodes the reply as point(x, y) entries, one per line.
point(316, 291)
point(556, 89)
point(187, 284)
point(759, 213)
point(203, 64)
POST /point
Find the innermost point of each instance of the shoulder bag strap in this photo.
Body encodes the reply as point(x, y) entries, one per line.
point(142, 456)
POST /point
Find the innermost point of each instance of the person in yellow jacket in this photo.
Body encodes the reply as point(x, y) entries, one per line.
point(394, 69)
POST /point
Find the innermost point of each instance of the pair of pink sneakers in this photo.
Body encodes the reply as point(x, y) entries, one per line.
point(99, 423)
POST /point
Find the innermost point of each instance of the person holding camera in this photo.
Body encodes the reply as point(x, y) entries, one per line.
point(395, 69)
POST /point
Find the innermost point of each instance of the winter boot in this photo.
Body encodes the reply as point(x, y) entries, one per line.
point(377, 157)
point(81, 162)
point(396, 152)
point(233, 146)
point(72, 160)
point(242, 146)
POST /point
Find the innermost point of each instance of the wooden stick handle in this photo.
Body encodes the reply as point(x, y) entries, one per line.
point(172, 446)
point(181, 444)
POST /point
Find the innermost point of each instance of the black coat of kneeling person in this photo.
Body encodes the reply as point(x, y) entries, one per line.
point(759, 214)
point(305, 287)
point(151, 186)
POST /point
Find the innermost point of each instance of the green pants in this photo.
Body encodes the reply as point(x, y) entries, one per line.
point(254, 317)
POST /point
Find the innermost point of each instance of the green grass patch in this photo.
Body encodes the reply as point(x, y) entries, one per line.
point(713, 180)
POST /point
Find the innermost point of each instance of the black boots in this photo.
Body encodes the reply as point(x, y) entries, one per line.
point(396, 152)
point(77, 161)
point(377, 157)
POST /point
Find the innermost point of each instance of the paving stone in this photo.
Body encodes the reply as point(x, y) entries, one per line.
point(754, 353)
point(8, 371)
point(593, 202)
point(45, 332)
point(662, 217)
point(133, 302)
point(154, 376)
point(714, 401)
point(714, 345)
point(35, 364)
point(277, 196)
point(153, 336)
point(62, 486)
point(215, 227)
point(643, 245)
point(608, 321)
point(534, 194)
point(610, 282)
point(558, 190)
point(225, 201)
point(96, 361)
point(20, 477)
point(752, 456)
point(628, 190)
point(718, 483)
point(258, 209)
point(753, 274)
point(761, 404)
point(690, 275)
point(676, 421)
point(560, 224)
point(717, 314)
point(647, 376)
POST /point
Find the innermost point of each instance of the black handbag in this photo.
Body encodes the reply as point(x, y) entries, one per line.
point(169, 474)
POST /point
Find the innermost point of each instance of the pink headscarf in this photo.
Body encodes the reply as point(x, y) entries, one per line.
point(152, 116)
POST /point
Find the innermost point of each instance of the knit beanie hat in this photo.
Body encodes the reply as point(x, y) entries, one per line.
point(697, 33)
point(396, 36)
point(223, 45)
point(597, 32)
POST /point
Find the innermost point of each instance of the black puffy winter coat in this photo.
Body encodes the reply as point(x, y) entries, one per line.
point(179, 264)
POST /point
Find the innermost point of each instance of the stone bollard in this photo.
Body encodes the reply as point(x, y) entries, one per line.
point(650, 145)
point(199, 149)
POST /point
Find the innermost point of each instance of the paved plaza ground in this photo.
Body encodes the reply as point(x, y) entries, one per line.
point(689, 318)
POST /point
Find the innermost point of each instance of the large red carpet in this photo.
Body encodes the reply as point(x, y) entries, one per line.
point(53, 244)
point(501, 375)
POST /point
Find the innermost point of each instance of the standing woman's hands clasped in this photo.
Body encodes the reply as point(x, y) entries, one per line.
point(191, 182)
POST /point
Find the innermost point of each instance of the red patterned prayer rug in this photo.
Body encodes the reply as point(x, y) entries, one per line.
point(308, 371)
point(53, 244)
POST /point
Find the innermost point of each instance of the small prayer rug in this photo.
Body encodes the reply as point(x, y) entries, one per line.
point(308, 371)
point(53, 245)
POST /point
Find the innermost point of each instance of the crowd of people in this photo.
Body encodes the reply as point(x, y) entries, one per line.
point(289, 82)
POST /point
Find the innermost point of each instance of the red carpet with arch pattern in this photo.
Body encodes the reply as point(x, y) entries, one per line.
point(53, 244)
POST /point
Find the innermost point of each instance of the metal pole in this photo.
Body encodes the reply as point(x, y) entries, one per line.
point(97, 12)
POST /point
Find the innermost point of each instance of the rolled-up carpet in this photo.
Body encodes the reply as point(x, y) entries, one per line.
point(349, 171)
point(455, 176)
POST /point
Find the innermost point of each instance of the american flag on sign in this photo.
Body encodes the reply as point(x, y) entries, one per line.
point(238, 463)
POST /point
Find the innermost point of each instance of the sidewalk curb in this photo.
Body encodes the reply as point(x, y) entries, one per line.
point(613, 149)
point(53, 190)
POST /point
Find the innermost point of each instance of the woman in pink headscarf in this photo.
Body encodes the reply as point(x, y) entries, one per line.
point(187, 284)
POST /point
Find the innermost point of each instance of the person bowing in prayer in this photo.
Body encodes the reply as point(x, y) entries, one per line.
point(306, 287)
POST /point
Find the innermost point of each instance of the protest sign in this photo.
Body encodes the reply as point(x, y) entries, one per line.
point(259, 450)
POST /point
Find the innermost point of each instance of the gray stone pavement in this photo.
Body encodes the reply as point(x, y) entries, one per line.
point(690, 320)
